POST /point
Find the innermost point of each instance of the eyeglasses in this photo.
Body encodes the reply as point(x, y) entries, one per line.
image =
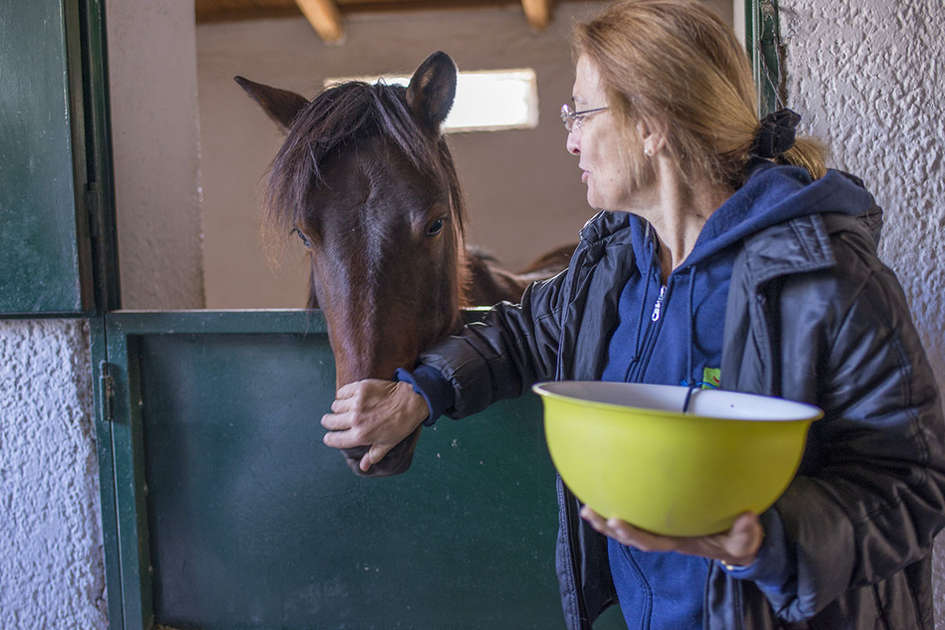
point(572, 119)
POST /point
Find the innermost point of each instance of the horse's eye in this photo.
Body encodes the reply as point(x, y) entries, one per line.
point(435, 227)
point(302, 237)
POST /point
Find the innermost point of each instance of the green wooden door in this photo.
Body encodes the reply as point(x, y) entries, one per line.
point(44, 253)
point(231, 513)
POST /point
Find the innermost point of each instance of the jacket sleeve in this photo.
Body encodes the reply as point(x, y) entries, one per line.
point(512, 347)
point(870, 496)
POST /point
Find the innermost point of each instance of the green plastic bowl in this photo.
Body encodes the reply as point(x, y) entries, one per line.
point(628, 451)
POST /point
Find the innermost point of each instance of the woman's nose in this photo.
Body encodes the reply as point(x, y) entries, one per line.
point(571, 144)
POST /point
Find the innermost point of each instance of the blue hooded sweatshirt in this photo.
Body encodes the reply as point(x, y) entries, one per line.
point(672, 334)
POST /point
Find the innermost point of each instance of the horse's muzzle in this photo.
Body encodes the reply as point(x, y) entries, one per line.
point(396, 461)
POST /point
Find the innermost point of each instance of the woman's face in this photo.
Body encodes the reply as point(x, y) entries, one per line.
point(596, 142)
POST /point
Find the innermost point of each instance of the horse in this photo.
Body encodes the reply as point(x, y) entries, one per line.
point(365, 179)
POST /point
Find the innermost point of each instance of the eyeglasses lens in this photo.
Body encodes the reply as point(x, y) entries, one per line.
point(567, 115)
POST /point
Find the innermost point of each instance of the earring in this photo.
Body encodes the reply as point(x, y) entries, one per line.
point(648, 152)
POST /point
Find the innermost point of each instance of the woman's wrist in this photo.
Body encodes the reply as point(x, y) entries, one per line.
point(430, 384)
point(415, 406)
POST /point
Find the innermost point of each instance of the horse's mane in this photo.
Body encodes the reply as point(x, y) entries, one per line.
point(341, 117)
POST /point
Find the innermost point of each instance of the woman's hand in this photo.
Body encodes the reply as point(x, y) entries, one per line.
point(738, 546)
point(373, 413)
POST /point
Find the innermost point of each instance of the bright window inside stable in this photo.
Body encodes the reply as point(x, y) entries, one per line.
point(486, 100)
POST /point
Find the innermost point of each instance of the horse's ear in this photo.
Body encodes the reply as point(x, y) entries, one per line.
point(432, 89)
point(282, 106)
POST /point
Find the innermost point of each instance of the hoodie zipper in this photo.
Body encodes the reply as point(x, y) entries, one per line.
point(658, 307)
point(649, 340)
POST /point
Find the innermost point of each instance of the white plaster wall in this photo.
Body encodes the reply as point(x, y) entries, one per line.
point(867, 77)
point(156, 148)
point(51, 564)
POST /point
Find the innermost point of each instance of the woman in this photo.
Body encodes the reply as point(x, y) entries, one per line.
point(726, 252)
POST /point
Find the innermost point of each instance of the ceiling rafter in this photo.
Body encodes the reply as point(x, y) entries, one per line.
point(324, 17)
point(537, 12)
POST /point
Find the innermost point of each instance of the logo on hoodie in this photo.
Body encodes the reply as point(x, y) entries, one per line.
point(711, 378)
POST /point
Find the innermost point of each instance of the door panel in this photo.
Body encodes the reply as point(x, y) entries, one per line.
point(44, 254)
point(249, 521)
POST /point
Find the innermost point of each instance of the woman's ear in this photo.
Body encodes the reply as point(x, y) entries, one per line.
point(652, 136)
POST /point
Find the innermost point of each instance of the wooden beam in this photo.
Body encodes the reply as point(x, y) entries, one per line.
point(537, 12)
point(324, 17)
point(208, 11)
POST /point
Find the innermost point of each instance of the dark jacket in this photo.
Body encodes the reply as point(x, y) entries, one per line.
point(812, 316)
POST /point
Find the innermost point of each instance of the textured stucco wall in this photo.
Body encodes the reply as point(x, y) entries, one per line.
point(152, 66)
point(51, 565)
point(867, 77)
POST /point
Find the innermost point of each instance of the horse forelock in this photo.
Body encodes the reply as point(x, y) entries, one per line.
point(342, 117)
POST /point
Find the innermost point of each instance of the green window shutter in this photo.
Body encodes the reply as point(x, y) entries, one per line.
point(765, 50)
point(44, 243)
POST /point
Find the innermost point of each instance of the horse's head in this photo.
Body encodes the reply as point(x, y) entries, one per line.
point(366, 181)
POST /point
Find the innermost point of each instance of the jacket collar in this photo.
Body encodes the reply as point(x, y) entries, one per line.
point(604, 224)
point(800, 245)
point(797, 246)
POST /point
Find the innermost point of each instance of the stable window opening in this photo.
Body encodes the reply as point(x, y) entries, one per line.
point(486, 100)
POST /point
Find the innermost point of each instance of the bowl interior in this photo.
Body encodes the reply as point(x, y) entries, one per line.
point(669, 399)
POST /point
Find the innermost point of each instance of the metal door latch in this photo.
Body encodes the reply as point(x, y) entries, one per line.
point(107, 389)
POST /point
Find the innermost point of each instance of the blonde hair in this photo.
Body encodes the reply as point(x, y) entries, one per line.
point(676, 63)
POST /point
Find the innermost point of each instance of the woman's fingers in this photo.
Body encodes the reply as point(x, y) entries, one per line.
point(343, 439)
point(336, 421)
point(355, 405)
point(363, 387)
point(347, 390)
point(738, 546)
point(621, 531)
point(373, 413)
point(643, 540)
point(375, 454)
point(597, 521)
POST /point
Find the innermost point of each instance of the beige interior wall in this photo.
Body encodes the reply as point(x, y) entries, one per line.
point(523, 190)
point(155, 145)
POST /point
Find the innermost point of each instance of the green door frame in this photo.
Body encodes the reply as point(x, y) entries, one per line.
point(766, 51)
point(58, 240)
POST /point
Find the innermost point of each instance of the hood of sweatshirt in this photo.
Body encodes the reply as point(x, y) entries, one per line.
point(772, 194)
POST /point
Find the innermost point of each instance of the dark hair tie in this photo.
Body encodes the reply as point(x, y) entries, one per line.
point(776, 134)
